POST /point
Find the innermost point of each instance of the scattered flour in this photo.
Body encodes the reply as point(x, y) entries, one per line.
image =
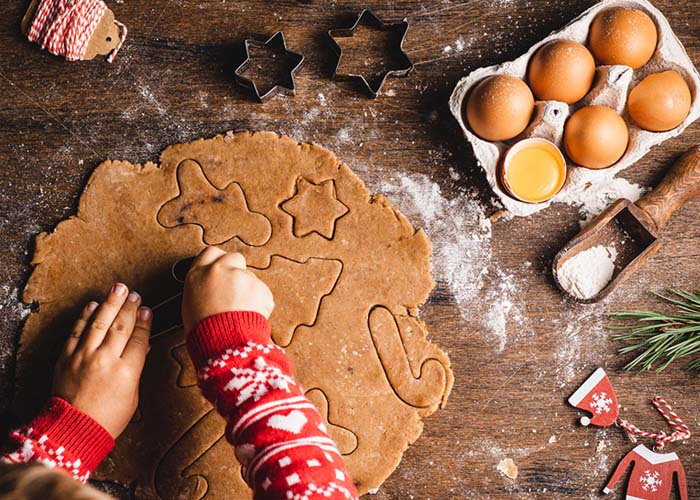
point(496, 320)
point(12, 312)
point(598, 192)
point(150, 97)
point(11, 303)
point(344, 135)
point(580, 344)
point(460, 234)
point(459, 46)
point(502, 309)
point(597, 467)
point(585, 274)
point(458, 229)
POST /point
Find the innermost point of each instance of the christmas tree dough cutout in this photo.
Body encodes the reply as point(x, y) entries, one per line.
point(222, 214)
point(313, 280)
point(357, 346)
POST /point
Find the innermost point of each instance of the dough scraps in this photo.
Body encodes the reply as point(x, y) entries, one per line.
point(347, 270)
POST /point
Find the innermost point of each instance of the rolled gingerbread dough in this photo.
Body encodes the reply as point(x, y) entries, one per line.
point(348, 272)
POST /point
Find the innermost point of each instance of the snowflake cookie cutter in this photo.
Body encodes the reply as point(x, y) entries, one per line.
point(278, 45)
point(367, 19)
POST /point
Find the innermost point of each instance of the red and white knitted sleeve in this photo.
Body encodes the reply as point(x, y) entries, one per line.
point(278, 435)
point(64, 437)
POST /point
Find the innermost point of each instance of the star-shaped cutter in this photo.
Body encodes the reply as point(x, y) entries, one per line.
point(367, 18)
point(294, 60)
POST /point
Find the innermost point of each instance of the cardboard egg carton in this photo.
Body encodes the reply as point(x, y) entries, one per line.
point(611, 88)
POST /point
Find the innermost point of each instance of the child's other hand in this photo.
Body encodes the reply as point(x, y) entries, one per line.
point(219, 282)
point(100, 367)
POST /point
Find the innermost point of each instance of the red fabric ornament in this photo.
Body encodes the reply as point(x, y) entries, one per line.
point(596, 396)
point(652, 476)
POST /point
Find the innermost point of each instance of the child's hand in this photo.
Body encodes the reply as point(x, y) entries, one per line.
point(100, 367)
point(219, 282)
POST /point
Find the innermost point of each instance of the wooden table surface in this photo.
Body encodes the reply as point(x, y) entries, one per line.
point(173, 82)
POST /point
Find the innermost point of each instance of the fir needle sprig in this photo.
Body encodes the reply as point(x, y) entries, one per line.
point(662, 338)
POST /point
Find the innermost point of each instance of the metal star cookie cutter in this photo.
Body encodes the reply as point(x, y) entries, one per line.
point(278, 44)
point(367, 18)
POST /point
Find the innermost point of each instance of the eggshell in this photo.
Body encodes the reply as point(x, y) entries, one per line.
point(660, 102)
point(500, 107)
point(621, 35)
point(595, 137)
point(543, 179)
point(561, 70)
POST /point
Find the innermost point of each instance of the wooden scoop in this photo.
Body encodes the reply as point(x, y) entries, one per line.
point(632, 229)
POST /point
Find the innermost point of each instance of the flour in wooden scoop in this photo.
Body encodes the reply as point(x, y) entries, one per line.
point(585, 274)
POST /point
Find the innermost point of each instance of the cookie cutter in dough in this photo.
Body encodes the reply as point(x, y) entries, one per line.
point(167, 314)
point(293, 60)
point(368, 19)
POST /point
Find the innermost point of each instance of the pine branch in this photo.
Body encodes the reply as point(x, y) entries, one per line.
point(662, 338)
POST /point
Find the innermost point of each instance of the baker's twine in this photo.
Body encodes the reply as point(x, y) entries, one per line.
point(681, 431)
point(64, 27)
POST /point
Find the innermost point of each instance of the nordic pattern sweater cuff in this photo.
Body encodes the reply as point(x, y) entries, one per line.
point(279, 436)
point(227, 330)
point(62, 436)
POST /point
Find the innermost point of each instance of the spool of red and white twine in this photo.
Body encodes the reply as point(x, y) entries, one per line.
point(64, 27)
point(681, 432)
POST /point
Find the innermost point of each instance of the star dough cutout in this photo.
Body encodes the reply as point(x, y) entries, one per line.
point(314, 208)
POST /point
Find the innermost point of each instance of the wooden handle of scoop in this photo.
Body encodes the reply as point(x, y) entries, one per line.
point(681, 183)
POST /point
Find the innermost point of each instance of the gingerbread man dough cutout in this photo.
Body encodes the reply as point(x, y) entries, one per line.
point(221, 213)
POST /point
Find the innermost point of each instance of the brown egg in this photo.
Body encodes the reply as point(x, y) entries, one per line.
point(500, 107)
point(595, 137)
point(660, 102)
point(561, 70)
point(623, 36)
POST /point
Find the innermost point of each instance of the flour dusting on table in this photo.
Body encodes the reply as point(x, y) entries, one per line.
point(581, 344)
point(459, 231)
point(502, 309)
point(11, 308)
point(598, 192)
point(462, 259)
point(11, 303)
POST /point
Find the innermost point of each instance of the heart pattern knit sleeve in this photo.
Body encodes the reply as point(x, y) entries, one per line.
point(278, 435)
point(63, 437)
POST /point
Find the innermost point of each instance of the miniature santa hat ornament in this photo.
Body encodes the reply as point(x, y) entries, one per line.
point(596, 396)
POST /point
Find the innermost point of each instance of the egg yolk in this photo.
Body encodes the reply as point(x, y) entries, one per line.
point(534, 174)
